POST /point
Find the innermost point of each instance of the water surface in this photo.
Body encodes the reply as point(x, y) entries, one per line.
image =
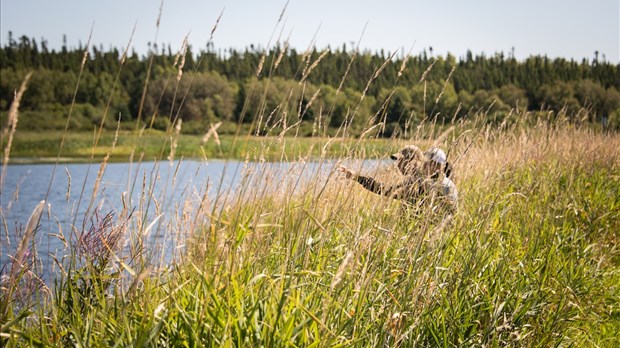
point(159, 191)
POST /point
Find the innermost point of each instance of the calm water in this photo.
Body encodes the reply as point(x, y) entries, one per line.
point(176, 188)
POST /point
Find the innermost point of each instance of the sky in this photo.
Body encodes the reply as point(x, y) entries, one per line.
point(571, 29)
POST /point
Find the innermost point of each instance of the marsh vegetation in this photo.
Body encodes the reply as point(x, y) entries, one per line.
point(531, 257)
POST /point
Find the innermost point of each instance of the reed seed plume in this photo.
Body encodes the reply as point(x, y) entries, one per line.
point(174, 140)
point(31, 228)
point(445, 84)
point(211, 133)
point(217, 22)
point(14, 109)
point(68, 194)
point(309, 69)
point(161, 10)
point(283, 11)
point(376, 74)
point(309, 104)
point(344, 77)
point(427, 71)
point(403, 65)
point(283, 50)
point(259, 69)
point(182, 55)
point(12, 119)
point(11, 286)
point(437, 142)
point(101, 241)
point(179, 62)
point(389, 60)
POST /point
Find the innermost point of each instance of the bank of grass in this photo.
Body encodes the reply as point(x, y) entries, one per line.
point(531, 258)
point(32, 147)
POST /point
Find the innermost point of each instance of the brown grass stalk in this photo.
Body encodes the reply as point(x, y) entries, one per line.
point(20, 253)
point(13, 117)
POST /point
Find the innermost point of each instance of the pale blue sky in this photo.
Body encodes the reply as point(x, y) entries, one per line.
point(569, 28)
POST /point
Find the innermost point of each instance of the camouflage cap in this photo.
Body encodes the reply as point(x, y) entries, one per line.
point(408, 152)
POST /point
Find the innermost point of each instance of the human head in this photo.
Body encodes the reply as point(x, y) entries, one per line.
point(435, 160)
point(408, 158)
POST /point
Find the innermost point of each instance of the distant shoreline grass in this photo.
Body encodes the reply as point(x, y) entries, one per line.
point(42, 147)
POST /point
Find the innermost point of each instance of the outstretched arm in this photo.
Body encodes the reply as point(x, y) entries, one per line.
point(400, 190)
point(374, 186)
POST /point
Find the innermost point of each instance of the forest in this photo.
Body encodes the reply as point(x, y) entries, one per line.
point(318, 90)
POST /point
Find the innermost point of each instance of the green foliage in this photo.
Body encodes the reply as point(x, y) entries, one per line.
point(531, 259)
point(558, 96)
point(204, 96)
point(37, 146)
point(217, 87)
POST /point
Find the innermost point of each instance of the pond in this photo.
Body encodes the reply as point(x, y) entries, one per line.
point(163, 193)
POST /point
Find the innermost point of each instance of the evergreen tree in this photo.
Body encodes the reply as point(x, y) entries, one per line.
point(354, 86)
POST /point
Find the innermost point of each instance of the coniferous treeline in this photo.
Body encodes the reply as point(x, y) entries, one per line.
point(320, 88)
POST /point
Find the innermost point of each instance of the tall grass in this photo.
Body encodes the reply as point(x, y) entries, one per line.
point(298, 256)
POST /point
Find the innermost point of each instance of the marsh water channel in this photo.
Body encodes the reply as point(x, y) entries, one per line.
point(163, 194)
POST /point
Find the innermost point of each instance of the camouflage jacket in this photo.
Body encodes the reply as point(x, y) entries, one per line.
point(415, 190)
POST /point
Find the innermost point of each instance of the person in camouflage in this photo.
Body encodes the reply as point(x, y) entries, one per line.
point(426, 179)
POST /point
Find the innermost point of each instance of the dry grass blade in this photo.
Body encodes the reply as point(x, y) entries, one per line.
point(217, 22)
point(259, 69)
point(173, 140)
point(428, 70)
point(149, 69)
point(102, 168)
point(13, 117)
point(445, 84)
point(150, 226)
point(68, 194)
point(31, 227)
point(137, 280)
point(309, 69)
point(211, 133)
point(403, 66)
point(283, 50)
point(112, 90)
point(341, 270)
point(183, 53)
point(66, 129)
point(102, 239)
point(442, 136)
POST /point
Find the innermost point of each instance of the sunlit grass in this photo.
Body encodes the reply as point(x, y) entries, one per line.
point(42, 146)
point(306, 258)
point(531, 258)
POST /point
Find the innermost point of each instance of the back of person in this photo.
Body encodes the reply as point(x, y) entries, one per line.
point(426, 181)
